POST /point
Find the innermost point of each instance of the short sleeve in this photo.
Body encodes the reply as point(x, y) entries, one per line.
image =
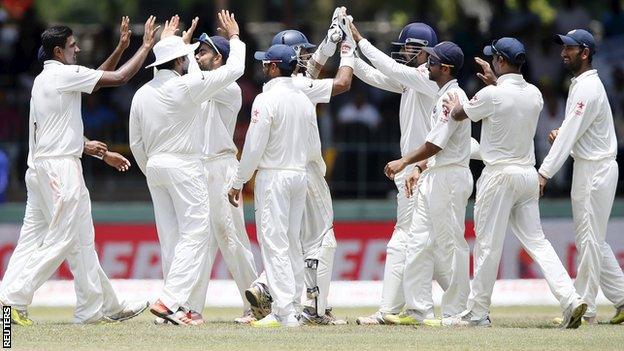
point(74, 78)
point(319, 91)
point(481, 105)
point(443, 129)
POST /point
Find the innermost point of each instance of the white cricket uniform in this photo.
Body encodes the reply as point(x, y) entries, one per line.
point(418, 95)
point(165, 126)
point(57, 222)
point(277, 144)
point(227, 222)
point(588, 134)
point(440, 212)
point(508, 190)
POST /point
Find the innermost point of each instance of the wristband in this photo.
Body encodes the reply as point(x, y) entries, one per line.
point(347, 61)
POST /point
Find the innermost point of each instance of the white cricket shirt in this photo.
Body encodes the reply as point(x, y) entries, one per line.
point(509, 111)
point(587, 131)
point(278, 137)
point(166, 116)
point(452, 136)
point(55, 120)
point(418, 92)
point(220, 114)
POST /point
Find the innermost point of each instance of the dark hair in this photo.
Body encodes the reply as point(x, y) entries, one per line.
point(53, 37)
point(167, 65)
point(517, 66)
point(288, 72)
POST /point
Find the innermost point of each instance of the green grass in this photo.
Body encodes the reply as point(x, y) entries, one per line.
point(514, 328)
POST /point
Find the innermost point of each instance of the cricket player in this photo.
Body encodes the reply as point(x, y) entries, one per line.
point(408, 76)
point(441, 196)
point(166, 136)
point(317, 234)
point(220, 165)
point(508, 189)
point(278, 145)
point(58, 215)
point(588, 134)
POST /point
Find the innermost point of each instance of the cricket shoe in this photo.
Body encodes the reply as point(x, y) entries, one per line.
point(177, 318)
point(100, 321)
point(260, 300)
point(376, 318)
point(20, 317)
point(464, 319)
point(129, 311)
point(573, 315)
point(409, 317)
point(586, 321)
point(272, 321)
point(194, 317)
point(619, 316)
point(310, 317)
point(247, 318)
point(161, 321)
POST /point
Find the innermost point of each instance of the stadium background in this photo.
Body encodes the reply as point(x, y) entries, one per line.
point(359, 130)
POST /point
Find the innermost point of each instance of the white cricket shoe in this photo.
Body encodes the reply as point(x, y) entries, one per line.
point(247, 318)
point(464, 319)
point(573, 315)
point(260, 300)
point(272, 321)
point(310, 317)
point(129, 311)
point(376, 318)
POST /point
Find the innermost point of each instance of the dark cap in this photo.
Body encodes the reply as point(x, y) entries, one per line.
point(417, 33)
point(217, 43)
point(283, 55)
point(447, 53)
point(510, 48)
point(577, 37)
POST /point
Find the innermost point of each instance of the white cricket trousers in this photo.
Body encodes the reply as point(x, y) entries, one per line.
point(180, 195)
point(228, 233)
point(279, 199)
point(392, 298)
point(317, 235)
point(438, 223)
point(58, 226)
point(507, 195)
point(593, 190)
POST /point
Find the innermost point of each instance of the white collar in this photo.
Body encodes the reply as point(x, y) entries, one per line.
point(277, 81)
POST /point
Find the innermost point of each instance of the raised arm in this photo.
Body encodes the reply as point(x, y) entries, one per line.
point(373, 77)
point(123, 75)
point(124, 40)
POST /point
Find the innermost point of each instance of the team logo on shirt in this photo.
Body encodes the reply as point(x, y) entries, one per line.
point(255, 116)
point(444, 117)
point(580, 106)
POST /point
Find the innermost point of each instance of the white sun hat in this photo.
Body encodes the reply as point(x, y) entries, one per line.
point(171, 48)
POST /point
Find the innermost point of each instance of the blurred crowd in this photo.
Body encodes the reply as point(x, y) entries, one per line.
point(360, 129)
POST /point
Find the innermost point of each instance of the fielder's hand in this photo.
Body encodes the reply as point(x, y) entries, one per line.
point(187, 35)
point(394, 167)
point(451, 103)
point(149, 32)
point(171, 27)
point(234, 196)
point(124, 33)
point(116, 161)
point(411, 182)
point(553, 135)
point(95, 148)
point(228, 27)
point(542, 184)
point(356, 34)
point(488, 77)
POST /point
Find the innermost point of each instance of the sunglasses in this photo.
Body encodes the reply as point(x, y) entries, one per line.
point(205, 38)
point(432, 61)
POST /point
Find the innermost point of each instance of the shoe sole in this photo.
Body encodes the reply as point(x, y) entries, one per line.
point(166, 317)
point(577, 316)
point(256, 306)
point(359, 322)
point(134, 315)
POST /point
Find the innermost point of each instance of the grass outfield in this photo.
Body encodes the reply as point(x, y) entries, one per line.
point(514, 328)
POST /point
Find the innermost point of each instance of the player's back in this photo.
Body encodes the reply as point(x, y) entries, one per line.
point(292, 119)
point(220, 114)
point(168, 118)
point(507, 134)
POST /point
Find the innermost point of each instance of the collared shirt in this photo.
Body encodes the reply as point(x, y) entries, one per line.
point(319, 91)
point(278, 137)
point(452, 136)
point(509, 111)
point(165, 116)
point(587, 131)
point(220, 113)
point(413, 83)
point(55, 121)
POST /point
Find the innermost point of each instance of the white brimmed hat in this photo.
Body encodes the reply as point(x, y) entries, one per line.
point(171, 48)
